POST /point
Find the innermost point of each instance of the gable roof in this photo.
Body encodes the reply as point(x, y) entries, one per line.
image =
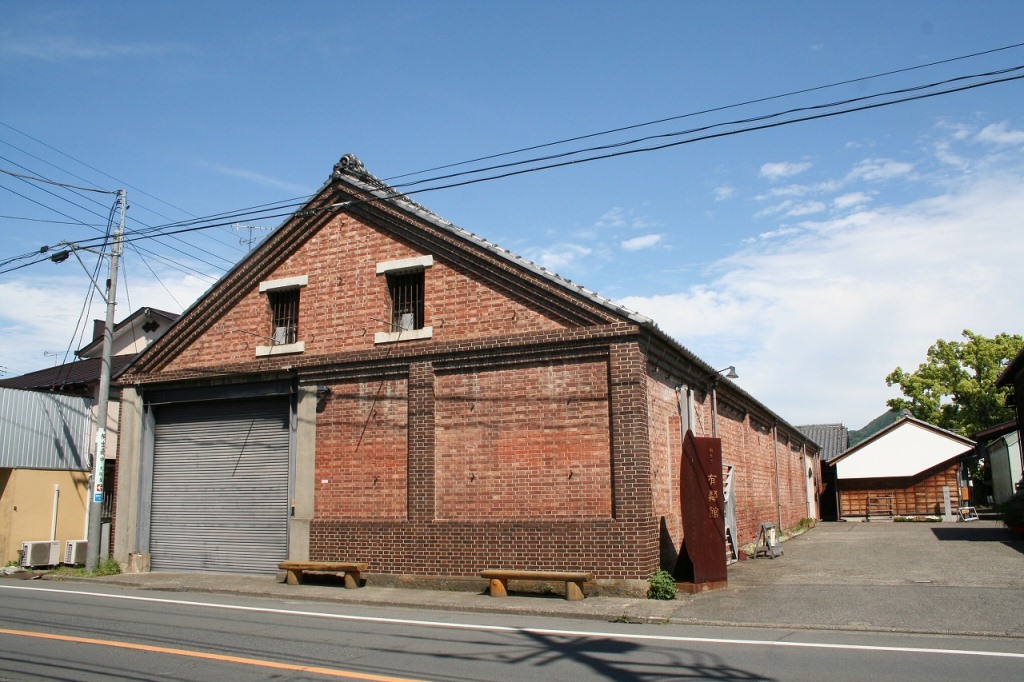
point(134, 323)
point(832, 438)
point(905, 460)
point(882, 421)
point(352, 189)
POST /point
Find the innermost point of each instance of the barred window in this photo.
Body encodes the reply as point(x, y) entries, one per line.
point(406, 292)
point(284, 312)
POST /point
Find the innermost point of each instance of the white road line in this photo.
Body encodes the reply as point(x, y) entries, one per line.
point(525, 630)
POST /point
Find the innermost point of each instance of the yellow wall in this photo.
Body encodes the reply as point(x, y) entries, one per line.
point(26, 507)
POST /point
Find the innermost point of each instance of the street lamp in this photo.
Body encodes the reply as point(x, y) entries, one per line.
point(729, 373)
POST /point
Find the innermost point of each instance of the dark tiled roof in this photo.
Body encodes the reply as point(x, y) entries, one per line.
point(71, 375)
point(833, 439)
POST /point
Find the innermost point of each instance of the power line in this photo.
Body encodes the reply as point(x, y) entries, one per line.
point(263, 211)
point(395, 192)
point(712, 110)
point(64, 170)
point(729, 133)
point(51, 182)
point(712, 126)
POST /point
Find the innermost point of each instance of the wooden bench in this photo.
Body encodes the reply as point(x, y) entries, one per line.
point(573, 580)
point(352, 570)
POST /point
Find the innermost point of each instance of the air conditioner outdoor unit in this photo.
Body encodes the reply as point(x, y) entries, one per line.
point(40, 553)
point(74, 551)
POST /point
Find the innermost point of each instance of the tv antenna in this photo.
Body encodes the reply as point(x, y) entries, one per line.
point(250, 240)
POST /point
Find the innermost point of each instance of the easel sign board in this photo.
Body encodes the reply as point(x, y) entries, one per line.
point(768, 541)
point(968, 514)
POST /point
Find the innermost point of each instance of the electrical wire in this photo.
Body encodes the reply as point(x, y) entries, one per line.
point(64, 170)
point(712, 110)
point(728, 133)
point(814, 107)
point(51, 182)
point(264, 210)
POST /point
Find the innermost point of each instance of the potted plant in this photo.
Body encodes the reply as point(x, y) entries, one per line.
point(1012, 513)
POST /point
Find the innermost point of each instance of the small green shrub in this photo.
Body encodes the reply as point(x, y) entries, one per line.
point(663, 586)
point(108, 566)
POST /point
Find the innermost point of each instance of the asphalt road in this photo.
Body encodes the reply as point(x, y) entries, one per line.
point(76, 631)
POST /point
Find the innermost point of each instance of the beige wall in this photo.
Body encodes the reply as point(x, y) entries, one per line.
point(26, 507)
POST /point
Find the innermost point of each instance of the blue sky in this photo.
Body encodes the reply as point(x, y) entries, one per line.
point(815, 257)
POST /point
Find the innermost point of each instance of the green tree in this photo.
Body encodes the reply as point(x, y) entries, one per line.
point(955, 388)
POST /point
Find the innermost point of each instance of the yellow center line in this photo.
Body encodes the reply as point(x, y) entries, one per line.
point(212, 657)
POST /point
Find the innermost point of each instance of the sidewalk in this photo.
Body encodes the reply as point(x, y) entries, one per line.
point(955, 578)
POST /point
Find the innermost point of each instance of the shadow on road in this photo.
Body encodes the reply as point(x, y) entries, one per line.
point(968, 533)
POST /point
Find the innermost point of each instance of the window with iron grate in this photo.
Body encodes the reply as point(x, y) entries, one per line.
point(284, 312)
point(406, 291)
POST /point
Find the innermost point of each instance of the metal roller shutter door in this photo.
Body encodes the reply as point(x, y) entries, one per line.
point(220, 487)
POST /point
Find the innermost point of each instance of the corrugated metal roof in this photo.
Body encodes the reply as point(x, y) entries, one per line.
point(44, 430)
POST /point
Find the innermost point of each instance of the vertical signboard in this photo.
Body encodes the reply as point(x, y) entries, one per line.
point(703, 509)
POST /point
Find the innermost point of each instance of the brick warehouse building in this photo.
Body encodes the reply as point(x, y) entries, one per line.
point(373, 383)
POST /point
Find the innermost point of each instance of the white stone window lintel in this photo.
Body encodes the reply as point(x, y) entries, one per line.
point(403, 265)
point(283, 283)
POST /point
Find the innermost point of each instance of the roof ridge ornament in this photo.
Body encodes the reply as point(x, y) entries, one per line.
point(349, 164)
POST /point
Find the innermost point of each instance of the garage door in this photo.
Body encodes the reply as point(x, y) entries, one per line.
point(220, 486)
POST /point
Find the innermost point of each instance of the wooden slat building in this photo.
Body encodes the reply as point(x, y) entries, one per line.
point(902, 470)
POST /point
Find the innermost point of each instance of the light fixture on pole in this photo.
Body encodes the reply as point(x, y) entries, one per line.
point(729, 373)
point(97, 490)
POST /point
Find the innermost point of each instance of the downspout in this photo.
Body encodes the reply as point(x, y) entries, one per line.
point(714, 410)
point(53, 519)
point(778, 491)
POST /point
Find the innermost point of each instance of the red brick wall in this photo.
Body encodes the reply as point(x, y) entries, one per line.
point(362, 451)
point(346, 302)
point(666, 462)
point(748, 445)
point(523, 443)
point(560, 396)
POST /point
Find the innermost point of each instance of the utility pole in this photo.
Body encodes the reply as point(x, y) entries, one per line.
point(97, 488)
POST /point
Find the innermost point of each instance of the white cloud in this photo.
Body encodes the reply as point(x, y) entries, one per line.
point(49, 306)
point(724, 192)
point(795, 190)
point(619, 218)
point(781, 232)
point(850, 200)
point(256, 178)
point(945, 154)
point(644, 242)
point(876, 170)
point(1000, 133)
point(57, 49)
point(783, 169)
point(816, 321)
point(806, 208)
point(614, 217)
point(558, 258)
